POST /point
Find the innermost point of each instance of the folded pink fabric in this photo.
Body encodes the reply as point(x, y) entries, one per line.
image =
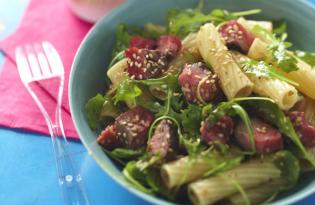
point(48, 20)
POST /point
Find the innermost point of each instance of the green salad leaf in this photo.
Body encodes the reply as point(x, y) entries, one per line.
point(277, 50)
point(122, 40)
point(148, 180)
point(136, 177)
point(222, 161)
point(191, 119)
point(281, 57)
point(306, 57)
point(273, 114)
point(93, 109)
point(232, 108)
point(263, 69)
point(128, 90)
point(183, 22)
point(123, 153)
point(280, 27)
point(166, 82)
point(289, 166)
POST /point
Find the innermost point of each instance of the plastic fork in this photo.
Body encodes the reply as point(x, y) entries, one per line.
point(42, 62)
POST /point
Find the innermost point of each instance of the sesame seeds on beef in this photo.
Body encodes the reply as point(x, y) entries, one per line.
point(163, 139)
point(132, 127)
point(219, 132)
point(145, 63)
point(236, 36)
point(199, 84)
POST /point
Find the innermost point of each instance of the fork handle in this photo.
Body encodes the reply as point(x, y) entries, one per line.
point(70, 180)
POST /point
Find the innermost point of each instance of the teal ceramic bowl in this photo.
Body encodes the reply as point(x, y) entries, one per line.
point(89, 68)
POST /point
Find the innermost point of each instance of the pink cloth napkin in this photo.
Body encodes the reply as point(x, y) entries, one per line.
point(48, 20)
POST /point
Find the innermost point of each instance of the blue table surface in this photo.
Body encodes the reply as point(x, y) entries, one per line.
point(27, 167)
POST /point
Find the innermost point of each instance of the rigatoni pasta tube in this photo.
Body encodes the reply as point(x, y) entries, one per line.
point(247, 175)
point(117, 73)
point(190, 45)
point(284, 94)
point(234, 82)
point(258, 194)
point(183, 170)
point(258, 49)
point(307, 105)
point(304, 76)
point(250, 24)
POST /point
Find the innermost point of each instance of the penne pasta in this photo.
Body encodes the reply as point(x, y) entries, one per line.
point(250, 24)
point(247, 175)
point(190, 45)
point(304, 76)
point(307, 106)
point(234, 82)
point(258, 194)
point(258, 49)
point(183, 170)
point(284, 94)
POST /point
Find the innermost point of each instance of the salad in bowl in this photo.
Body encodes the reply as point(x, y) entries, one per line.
point(213, 108)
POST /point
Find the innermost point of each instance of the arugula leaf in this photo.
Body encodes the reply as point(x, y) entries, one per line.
point(183, 22)
point(277, 50)
point(307, 57)
point(239, 110)
point(119, 56)
point(231, 108)
point(280, 27)
point(127, 91)
point(261, 68)
point(280, 55)
point(123, 153)
point(206, 110)
point(224, 108)
point(93, 110)
point(168, 81)
point(222, 162)
point(108, 109)
point(289, 166)
point(191, 119)
point(122, 40)
point(136, 177)
point(273, 114)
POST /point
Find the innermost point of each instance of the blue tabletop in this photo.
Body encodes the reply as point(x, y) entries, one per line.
point(27, 167)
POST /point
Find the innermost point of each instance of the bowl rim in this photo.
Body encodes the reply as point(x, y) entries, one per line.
point(122, 182)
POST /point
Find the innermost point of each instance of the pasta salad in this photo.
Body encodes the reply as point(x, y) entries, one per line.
point(213, 108)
